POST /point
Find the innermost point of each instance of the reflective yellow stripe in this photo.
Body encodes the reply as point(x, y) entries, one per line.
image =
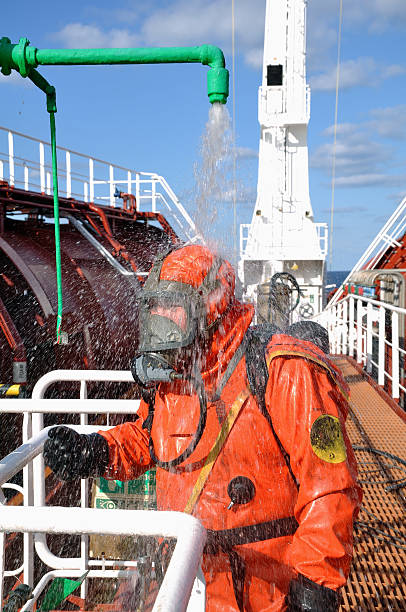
point(218, 445)
point(9, 390)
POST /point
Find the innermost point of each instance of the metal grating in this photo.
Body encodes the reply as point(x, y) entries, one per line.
point(376, 581)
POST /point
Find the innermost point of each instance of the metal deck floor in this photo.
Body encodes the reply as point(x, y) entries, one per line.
point(377, 581)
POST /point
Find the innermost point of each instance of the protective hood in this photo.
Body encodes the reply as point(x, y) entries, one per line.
point(189, 294)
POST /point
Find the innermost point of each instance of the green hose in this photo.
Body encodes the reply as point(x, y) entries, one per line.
point(57, 231)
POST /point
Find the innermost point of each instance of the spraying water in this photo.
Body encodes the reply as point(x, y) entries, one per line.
point(213, 175)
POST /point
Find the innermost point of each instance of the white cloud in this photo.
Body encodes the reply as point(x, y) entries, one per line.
point(255, 57)
point(369, 13)
point(369, 180)
point(246, 153)
point(398, 196)
point(200, 21)
point(387, 12)
point(81, 36)
point(362, 72)
point(359, 16)
point(389, 122)
point(346, 210)
point(355, 153)
point(364, 155)
point(15, 79)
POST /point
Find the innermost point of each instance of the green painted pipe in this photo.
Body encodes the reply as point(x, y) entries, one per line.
point(23, 58)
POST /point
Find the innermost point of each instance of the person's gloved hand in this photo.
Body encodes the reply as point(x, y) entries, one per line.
point(72, 455)
point(308, 596)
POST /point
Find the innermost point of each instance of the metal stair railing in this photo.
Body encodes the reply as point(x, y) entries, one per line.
point(387, 236)
point(25, 162)
point(371, 332)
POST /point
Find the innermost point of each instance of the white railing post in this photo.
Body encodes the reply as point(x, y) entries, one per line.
point(111, 183)
point(381, 349)
point(2, 550)
point(137, 190)
point(28, 500)
point(25, 177)
point(333, 329)
point(351, 330)
point(42, 166)
point(340, 328)
point(336, 329)
point(84, 494)
point(129, 182)
point(345, 328)
point(11, 158)
point(91, 180)
point(395, 355)
point(369, 337)
point(153, 195)
point(359, 330)
point(68, 176)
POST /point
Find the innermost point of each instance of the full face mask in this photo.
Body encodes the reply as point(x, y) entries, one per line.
point(172, 317)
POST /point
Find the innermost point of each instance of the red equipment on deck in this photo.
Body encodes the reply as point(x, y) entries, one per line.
point(106, 255)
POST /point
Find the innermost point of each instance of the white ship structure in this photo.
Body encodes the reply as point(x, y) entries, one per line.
point(283, 236)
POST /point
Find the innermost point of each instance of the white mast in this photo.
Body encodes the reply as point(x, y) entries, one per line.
point(283, 236)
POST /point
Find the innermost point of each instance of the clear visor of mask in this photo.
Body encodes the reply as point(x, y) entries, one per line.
point(167, 321)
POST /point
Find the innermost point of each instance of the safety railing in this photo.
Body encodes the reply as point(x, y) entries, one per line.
point(176, 588)
point(25, 162)
point(387, 237)
point(321, 230)
point(371, 332)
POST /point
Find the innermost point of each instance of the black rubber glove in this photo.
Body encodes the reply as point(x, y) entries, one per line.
point(18, 598)
point(308, 596)
point(71, 455)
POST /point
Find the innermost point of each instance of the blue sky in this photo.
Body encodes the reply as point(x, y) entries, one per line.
point(152, 117)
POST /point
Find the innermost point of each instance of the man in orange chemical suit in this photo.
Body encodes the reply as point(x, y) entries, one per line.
point(278, 491)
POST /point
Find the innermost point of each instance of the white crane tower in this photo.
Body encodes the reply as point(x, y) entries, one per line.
point(282, 236)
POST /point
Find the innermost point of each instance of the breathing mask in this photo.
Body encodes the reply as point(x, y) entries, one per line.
point(172, 317)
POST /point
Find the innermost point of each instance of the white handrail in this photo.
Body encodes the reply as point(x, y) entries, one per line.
point(12, 463)
point(79, 375)
point(184, 564)
point(96, 179)
point(369, 331)
point(190, 534)
point(386, 237)
point(72, 406)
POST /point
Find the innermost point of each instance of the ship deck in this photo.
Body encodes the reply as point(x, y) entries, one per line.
point(377, 579)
